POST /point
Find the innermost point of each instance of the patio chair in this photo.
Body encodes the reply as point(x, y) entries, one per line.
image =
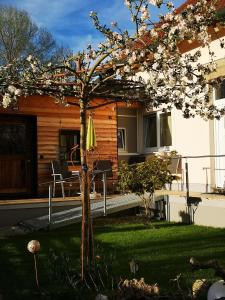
point(176, 171)
point(99, 166)
point(61, 175)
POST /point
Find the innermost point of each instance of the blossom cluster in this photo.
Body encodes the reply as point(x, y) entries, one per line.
point(175, 79)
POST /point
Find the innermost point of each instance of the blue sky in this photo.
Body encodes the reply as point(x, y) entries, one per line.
point(69, 21)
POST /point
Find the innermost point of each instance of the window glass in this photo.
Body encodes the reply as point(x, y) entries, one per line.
point(67, 140)
point(150, 131)
point(127, 135)
point(121, 138)
point(165, 129)
point(220, 91)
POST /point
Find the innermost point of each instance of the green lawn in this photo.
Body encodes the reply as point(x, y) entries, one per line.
point(162, 252)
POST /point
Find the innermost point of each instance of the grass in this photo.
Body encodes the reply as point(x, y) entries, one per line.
point(162, 252)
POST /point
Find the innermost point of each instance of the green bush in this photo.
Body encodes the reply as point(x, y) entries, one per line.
point(144, 178)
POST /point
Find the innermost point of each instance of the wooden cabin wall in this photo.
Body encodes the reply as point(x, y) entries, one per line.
point(52, 117)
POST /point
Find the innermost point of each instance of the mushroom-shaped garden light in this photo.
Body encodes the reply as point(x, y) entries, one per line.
point(34, 247)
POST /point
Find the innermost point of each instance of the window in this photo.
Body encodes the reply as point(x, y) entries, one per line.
point(121, 138)
point(157, 130)
point(67, 140)
point(165, 129)
point(127, 130)
point(150, 131)
point(220, 91)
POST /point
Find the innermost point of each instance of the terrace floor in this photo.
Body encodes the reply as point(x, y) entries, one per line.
point(58, 201)
point(68, 210)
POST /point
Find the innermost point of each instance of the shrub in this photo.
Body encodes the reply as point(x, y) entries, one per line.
point(144, 178)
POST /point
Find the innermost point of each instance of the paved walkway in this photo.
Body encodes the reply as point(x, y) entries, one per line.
point(74, 215)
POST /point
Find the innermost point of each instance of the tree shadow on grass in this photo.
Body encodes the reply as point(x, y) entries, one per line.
point(17, 278)
point(160, 224)
point(123, 227)
point(162, 254)
point(163, 260)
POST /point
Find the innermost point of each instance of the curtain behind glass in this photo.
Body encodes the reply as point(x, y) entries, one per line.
point(165, 129)
point(150, 132)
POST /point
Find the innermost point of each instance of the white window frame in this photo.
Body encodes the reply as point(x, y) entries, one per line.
point(218, 101)
point(124, 138)
point(158, 148)
point(219, 126)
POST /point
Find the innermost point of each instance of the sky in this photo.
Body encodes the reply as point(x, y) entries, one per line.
point(69, 21)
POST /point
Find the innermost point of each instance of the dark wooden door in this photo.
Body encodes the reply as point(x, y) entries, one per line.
point(18, 152)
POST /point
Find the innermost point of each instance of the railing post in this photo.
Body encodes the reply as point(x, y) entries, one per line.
point(49, 204)
point(207, 180)
point(187, 192)
point(167, 205)
point(187, 179)
point(104, 191)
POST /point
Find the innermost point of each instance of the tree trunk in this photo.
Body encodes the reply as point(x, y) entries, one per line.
point(86, 234)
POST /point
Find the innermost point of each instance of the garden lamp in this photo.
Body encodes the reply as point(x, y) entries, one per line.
point(34, 247)
point(216, 291)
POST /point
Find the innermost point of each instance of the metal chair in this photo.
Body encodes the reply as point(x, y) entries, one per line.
point(101, 167)
point(62, 175)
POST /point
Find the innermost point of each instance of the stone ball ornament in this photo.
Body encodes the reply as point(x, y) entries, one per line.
point(216, 290)
point(33, 246)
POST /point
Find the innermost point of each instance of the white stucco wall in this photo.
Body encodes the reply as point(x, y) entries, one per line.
point(197, 140)
point(193, 137)
point(190, 137)
point(210, 212)
point(215, 47)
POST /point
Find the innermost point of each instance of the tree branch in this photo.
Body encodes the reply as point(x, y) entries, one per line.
point(97, 63)
point(102, 81)
point(66, 68)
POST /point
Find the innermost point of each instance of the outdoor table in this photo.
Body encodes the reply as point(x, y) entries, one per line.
point(94, 173)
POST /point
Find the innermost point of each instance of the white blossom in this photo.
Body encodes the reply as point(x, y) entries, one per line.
point(29, 57)
point(154, 33)
point(127, 3)
point(168, 17)
point(170, 5)
point(92, 14)
point(113, 24)
point(6, 100)
point(142, 30)
point(152, 2)
point(160, 49)
point(154, 49)
point(14, 91)
point(48, 82)
point(127, 69)
point(157, 56)
point(144, 13)
point(117, 36)
point(155, 66)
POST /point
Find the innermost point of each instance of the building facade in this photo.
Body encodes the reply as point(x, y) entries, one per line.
point(201, 141)
point(41, 131)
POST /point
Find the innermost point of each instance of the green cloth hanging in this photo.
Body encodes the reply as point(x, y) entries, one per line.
point(91, 136)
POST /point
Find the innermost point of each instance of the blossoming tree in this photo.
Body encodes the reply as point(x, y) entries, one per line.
point(112, 73)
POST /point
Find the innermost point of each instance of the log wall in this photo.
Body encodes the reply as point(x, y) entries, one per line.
point(52, 117)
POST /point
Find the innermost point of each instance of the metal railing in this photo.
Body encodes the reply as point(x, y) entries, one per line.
point(50, 193)
point(203, 168)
